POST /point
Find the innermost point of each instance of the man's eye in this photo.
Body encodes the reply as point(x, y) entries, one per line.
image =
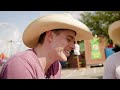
point(74, 42)
point(68, 40)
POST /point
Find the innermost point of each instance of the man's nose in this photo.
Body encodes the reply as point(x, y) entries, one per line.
point(72, 46)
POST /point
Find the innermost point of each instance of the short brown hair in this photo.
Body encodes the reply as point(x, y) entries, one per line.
point(56, 31)
point(41, 38)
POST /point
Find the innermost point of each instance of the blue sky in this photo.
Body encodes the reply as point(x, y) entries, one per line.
point(21, 19)
point(11, 21)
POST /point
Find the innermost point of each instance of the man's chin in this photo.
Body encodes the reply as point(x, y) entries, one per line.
point(63, 59)
point(62, 56)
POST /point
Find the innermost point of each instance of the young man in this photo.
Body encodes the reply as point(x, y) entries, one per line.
point(112, 64)
point(51, 38)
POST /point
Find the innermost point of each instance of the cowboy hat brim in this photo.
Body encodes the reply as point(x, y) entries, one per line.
point(114, 32)
point(56, 21)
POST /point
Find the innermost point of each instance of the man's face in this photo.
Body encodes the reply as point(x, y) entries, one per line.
point(62, 44)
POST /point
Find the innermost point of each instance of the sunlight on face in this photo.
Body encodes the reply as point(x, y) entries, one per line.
point(63, 44)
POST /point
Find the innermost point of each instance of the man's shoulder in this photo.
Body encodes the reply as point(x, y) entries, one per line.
point(115, 55)
point(22, 56)
point(28, 52)
point(113, 58)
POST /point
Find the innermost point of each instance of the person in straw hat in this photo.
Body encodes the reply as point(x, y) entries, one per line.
point(51, 39)
point(112, 63)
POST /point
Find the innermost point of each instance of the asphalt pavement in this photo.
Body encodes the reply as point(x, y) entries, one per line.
point(83, 73)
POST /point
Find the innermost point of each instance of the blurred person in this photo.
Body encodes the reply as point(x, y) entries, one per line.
point(116, 48)
point(50, 39)
point(77, 53)
point(110, 45)
point(112, 63)
point(3, 58)
point(77, 48)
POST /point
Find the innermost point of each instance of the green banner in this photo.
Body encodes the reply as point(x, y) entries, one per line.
point(95, 52)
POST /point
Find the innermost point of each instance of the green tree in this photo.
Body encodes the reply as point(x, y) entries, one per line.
point(99, 21)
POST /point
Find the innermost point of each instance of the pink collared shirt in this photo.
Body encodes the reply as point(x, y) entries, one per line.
point(24, 65)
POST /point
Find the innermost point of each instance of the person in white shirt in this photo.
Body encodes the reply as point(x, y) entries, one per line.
point(77, 48)
point(112, 63)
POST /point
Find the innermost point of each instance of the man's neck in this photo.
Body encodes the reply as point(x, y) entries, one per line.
point(44, 57)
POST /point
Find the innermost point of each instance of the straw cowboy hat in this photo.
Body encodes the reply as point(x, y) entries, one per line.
point(114, 32)
point(54, 21)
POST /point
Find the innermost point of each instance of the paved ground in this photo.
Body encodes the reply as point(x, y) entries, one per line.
point(83, 73)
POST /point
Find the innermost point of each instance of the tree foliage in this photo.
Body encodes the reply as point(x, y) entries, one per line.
point(99, 21)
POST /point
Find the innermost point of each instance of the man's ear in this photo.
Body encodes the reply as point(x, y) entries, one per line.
point(49, 36)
